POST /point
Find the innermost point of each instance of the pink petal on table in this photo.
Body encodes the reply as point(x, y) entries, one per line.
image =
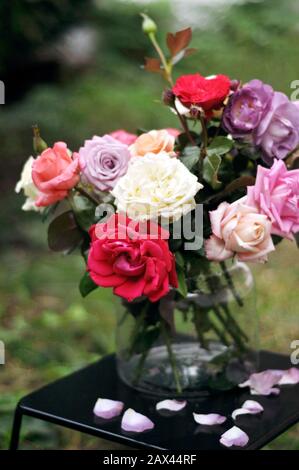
point(234, 437)
point(108, 409)
point(210, 419)
point(261, 383)
point(290, 377)
point(249, 407)
point(135, 422)
point(171, 405)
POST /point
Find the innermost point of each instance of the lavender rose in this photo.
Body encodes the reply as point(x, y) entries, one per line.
point(278, 132)
point(246, 108)
point(103, 160)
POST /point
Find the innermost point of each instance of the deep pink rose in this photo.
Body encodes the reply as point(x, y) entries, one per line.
point(240, 230)
point(54, 173)
point(123, 136)
point(130, 259)
point(276, 194)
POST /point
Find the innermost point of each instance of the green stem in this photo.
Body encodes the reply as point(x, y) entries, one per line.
point(87, 195)
point(231, 284)
point(204, 132)
point(172, 359)
point(219, 333)
point(139, 368)
point(184, 124)
point(166, 65)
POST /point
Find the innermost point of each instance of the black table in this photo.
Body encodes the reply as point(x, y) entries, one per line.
point(69, 402)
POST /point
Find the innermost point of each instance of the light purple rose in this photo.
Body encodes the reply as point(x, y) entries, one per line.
point(103, 160)
point(278, 132)
point(246, 109)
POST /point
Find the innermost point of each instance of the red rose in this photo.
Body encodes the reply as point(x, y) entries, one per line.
point(127, 256)
point(208, 93)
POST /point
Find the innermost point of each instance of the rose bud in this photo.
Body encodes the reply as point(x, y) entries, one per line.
point(234, 85)
point(39, 145)
point(168, 97)
point(148, 25)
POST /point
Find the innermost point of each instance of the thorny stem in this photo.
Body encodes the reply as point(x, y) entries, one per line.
point(87, 195)
point(204, 132)
point(184, 124)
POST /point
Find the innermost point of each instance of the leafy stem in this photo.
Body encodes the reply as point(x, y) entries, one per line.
point(167, 65)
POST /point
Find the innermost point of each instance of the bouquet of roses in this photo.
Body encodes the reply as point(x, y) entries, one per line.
point(229, 174)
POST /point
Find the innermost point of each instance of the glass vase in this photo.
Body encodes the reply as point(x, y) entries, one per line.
point(192, 346)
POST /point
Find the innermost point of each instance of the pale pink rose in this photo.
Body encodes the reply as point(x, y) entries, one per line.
point(172, 131)
point(123, 136)
point(240, 230)
point(54, 173)
point(153, 142)
point(276, 194)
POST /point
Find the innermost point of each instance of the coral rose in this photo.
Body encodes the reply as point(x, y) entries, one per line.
point(153, 142)
point(239, 229)
point(134, 259)
point(54, 173)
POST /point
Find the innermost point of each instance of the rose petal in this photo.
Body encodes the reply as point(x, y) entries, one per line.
point(135, 422)
point(209, 419)
point(262, 383)
point(290, 377)
point(248, 407)
point(171, 405)
point(234, 437)
point(108, 409)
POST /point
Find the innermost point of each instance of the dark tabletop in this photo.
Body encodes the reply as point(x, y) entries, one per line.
point(69, 402)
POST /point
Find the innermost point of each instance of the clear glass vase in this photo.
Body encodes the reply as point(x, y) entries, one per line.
point(192, 346)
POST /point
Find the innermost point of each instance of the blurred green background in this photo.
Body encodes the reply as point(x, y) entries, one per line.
point(73, 67)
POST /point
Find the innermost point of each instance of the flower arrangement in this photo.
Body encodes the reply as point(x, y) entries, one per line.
point(122, 198)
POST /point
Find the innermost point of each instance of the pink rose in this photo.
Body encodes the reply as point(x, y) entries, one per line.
point(123, 136)
point(54, 173)
point(239, 229)
point(276, 194)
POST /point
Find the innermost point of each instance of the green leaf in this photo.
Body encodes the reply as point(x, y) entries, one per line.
point(84, 211)
point(145, 339)
point(296, 235)
point(179, 259)
point(220, 146)
point(211, 165)
point(190, 157)
point(63, 233)
point(86, 285)
point(182, 286)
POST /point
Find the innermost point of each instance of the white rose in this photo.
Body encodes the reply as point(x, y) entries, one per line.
point(156, 186)
point(26, 184)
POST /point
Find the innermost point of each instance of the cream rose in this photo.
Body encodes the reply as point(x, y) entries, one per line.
point(153, 142)
point(26, 184)
point(239, 229)
point(156, 187)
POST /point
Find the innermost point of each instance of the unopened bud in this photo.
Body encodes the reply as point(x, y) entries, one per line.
point(168, 97)
point(39, 145)
point(234, 85)
point(148, 25)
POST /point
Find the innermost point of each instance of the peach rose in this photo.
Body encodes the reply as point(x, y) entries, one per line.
point(153, 142)
point(54, 173)
point(239, 229)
